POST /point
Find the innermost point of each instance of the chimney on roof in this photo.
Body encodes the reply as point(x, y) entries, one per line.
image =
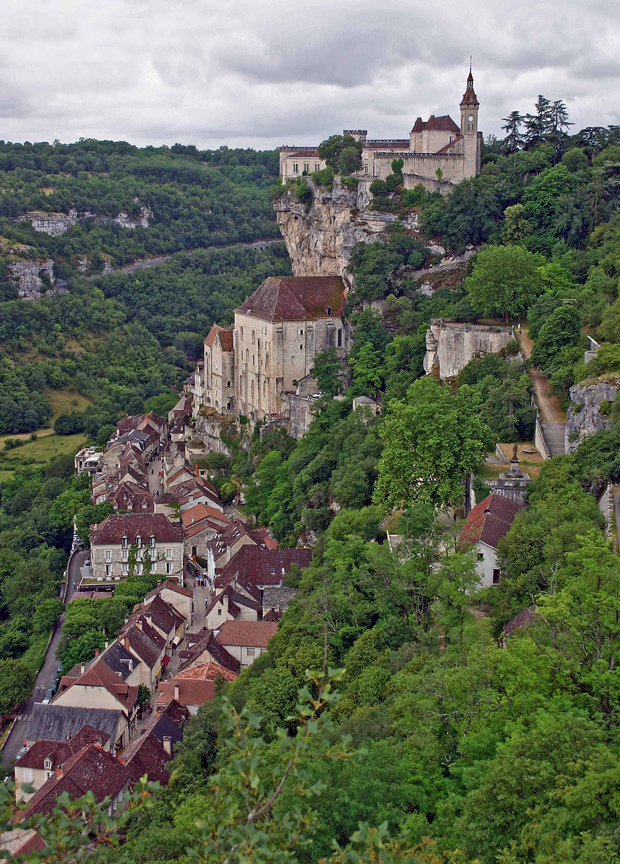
point(139, 624)
point(167, 742)
point(96, 652)
point(67, 737)
point(106, 644)
point(176, 691)
point(196, 466)
point(126, 641)
point(82, 669)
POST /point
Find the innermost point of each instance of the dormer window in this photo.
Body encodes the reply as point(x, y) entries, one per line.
point(48, 764)
point(139, 541)
point(124, 542)
point(152, 541)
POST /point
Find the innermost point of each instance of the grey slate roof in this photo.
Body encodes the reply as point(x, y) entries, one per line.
point(56, 722)
point(117, 658)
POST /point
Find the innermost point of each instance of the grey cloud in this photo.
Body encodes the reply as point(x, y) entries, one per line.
point(264, 73)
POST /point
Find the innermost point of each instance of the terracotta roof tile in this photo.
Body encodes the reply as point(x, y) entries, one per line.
point(252, 634)
point(91, 769)
point(296, 298)
point(521, 619)
point(490, 521)
point(261, 566)
point(115, 527)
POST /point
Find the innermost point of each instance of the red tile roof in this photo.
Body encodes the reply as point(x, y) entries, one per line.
point(521, 619)
point(170, 586)
point(91, 769)
point(202, 511)
point(21, 841)
point(100, 675)
point(60, 751)
point(191, 692)
point(490, 520)
point(209, 671)
point(261, 566)
point(115, 527)
point(296, 298)
point(146, 755)
point(444, 123)
point(225, 335)
point(251, 634)
point(206, 641)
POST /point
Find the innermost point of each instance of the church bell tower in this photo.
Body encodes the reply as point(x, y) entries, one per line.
point(471, 141)
point(469, 108)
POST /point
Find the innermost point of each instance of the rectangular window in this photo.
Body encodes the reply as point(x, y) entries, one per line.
point(219, 610)
point(107, 569)
point(306, 167)
point(125, 569)
point(317, 166)
point(365, 167)
point(295, 168)
point(27, 775)
point(168, 553)
point(138, 569)
point(108, 555)
point(495, 577)
point(125, 554)
point(250, 651)
point(168, 568)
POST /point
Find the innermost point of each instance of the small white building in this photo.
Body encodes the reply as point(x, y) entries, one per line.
point(484, 527)
point(246, 640)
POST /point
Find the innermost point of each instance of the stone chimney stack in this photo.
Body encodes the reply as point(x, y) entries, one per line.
point(167, 743)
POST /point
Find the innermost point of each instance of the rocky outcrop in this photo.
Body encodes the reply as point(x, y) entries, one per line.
point(27, 276)
point(126, 221)
point(450, 345)
point(584, 416)
point(320, 236)
point(53, 224)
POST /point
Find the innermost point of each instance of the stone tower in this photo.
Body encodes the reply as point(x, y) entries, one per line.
point(469, 128)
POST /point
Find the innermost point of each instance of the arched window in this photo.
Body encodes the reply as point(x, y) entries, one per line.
point(329, 310)
point(253, 359)
point(301, 332)
point(301, 347)
point(228, 383)
point(264, 388)
point(247, 355)
point(253, 337)
point(241, 332)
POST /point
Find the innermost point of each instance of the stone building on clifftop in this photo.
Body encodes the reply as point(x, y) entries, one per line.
point(438, 152)
point(263, 363)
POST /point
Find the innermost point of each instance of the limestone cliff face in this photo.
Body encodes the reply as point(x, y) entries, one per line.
point(27, 276)
point(320, 236)
point(584, 415)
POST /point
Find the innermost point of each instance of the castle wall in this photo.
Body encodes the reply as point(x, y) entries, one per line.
point(450, 345)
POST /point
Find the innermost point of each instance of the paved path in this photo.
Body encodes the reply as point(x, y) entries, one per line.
point(46, 674)
point(548, 403)
point(147, 263)
point(156, 484)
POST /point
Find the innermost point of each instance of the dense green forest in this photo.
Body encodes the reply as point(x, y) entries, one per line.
point(388, 696)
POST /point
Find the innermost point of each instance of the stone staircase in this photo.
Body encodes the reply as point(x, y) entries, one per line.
point(554, 433)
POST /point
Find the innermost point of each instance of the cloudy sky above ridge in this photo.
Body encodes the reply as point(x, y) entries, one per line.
point(257, 73)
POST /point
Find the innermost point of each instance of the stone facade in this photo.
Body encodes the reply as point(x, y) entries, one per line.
point(255, 368)
point(451, 345)
point(584, 415)
point(438, 150)
point(113, 540)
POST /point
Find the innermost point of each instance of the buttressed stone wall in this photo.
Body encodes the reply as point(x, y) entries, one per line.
point(451, 345)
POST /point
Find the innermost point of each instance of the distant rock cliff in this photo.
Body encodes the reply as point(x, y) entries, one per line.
point(27, 276)
point(584, 416)
point(320, 236)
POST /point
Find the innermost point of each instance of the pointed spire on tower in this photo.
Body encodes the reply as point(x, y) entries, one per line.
point(469, 97)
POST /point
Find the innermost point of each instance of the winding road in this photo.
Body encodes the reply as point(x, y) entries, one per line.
point(147, 263)
point(16, 737)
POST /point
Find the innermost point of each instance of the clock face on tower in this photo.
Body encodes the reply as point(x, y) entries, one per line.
point(471, 118)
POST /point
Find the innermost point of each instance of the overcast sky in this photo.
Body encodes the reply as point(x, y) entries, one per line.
point(260, 73)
